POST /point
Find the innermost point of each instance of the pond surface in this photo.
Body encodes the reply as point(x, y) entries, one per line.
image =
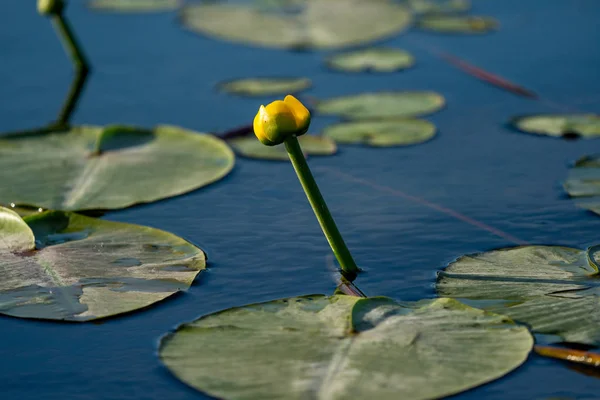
point(405, 212)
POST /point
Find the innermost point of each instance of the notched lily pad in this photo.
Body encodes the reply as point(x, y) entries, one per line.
point(265, 86)
point(64, 266)
point(565, 125)
point(134, 6)
point(457, 24)
point(377, 59)
point(344, 347)
point(90, 167)
point(382, 105)
point(316, 24)
point(384, 133)
point(583, 183)
point(555, 290)
point(249, 146)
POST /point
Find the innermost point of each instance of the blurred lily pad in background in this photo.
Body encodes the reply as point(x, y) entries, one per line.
point(344, 347)
point(64, 266)
point(457, 24)
point(250, 147)
point(134, 6)
point(382, 105)
point(264, 86)
point(92, 167)
point(565, 125)
point(439, 6)
point(554, 290)
point(376, 59)
point(318, 24)
point(583, 183)
point(382, 133)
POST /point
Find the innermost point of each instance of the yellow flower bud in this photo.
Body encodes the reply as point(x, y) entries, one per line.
point(281, 119)
point(50, 7)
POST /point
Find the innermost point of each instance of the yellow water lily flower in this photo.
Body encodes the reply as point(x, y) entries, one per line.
point(49, 7)
point(281, 119)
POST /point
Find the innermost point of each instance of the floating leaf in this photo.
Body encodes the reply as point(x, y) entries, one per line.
point(384, 133)
point(90, 167)
point(566, 125)
point(344, 347)
point(265, 86)
point(378, 59)
point(134, 5)
point(583, 183)
point(249, 146)
point(439, 7)
point(65, 266)
point(382, 105)
point(457, 24)
point(555, 290)
point(319, 24)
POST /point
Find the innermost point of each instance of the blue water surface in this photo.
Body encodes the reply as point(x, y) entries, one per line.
point(405, 212)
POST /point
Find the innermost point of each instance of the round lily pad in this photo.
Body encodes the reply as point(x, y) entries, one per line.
point(384, 133)
point(249, 146)
point(382, 105)
point(439, 7)
point(344, 347)
point(128, 6)
point(377, 59)
point(555, 290)
point(317, 24)
point(583, 183)
point(565, 125)
point(91, 167)
point(457, 24)
point(265, 86)
point(64, 266)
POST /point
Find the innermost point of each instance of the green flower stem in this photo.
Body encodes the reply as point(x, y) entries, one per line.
point(349, 268)
point(80, 64)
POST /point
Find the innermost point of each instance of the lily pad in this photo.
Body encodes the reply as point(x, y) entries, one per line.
point(384, 133)
point(64, 266)
point(553, 289)
point(382, 105)
point(249, 146)
point(129, 6)
point(439, 7)
point(265, 86)
point(457, 24)
point(583, 183)
point(344, 347)
point(90, 167)
point(378, 59)
point(319, 24)
point(566, 125)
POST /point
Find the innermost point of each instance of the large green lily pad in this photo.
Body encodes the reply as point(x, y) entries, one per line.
point(382, 105)
point(566, 125)
point(129, 6)
point(65, 266)
point(90, 167)
point(555, 290)
point(249, 146)
point(377, 59)
point(583, 183)
point(384, 133)
point(265, 86)
point(439, 7)
point(344, 347)
point(457, 24)
point(318, 24)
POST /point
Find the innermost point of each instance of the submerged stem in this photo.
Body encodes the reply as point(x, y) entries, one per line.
point(349, 268)
point(80, 64)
